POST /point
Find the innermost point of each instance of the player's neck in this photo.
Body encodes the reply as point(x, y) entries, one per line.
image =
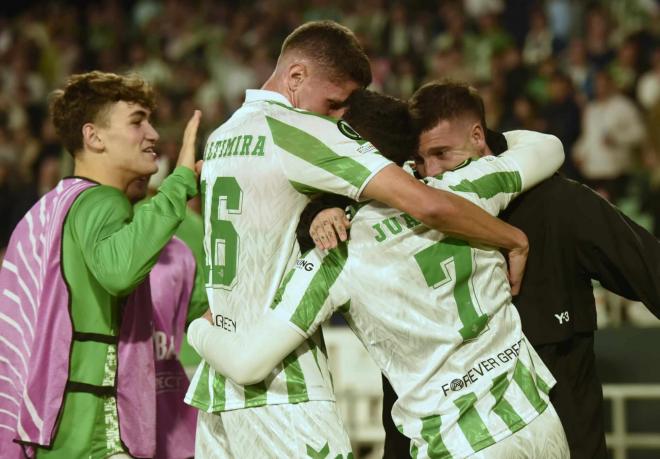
point(100, 172)
point(275, 84)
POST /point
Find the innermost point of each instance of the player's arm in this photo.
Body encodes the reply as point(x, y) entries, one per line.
point(333, 161)
point(307, 297)
point(441, 210)
point(493, 181)
point(539, 156)
point(621, 255)
point(329, 229)
point(199, 302)
point(248, 357)
point(531, 155)
point(120, 250)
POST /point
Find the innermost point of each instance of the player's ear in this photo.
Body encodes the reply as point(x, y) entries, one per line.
point(297, 72)
point(91, 138)
point(478, 136)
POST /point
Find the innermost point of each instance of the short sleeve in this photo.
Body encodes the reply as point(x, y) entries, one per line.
point(322, 155)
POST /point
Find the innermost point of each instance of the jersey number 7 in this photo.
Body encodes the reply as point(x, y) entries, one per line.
point(434, 262)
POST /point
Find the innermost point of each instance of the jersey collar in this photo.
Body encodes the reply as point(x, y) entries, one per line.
point(257, 95)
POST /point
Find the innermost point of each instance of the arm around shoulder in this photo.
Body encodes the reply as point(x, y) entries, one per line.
point(442, 210)
point(537, 155)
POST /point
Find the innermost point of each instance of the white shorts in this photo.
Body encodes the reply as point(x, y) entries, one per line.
point(302, 430)
point(543, 438)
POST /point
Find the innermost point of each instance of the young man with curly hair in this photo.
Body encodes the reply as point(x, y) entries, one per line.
point(76, 354)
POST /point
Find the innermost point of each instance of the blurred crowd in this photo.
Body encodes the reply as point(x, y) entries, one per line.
point(586, 72)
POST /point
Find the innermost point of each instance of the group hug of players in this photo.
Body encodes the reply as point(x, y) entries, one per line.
point(95, 294)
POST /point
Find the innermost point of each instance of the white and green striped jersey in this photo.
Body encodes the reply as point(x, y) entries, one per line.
point(435, 314)
point(259, 168)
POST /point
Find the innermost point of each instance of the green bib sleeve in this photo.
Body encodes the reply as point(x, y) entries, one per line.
point(120, 247)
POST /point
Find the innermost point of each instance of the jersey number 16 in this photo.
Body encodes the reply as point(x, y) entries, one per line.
point(221, 246)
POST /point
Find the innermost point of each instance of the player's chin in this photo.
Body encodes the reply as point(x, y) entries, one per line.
point(144, 170)
point(147, 166)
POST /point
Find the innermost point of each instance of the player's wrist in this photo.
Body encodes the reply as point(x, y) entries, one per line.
point(513, 240)
point(520, 242)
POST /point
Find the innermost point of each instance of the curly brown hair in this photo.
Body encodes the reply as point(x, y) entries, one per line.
point(87, 97)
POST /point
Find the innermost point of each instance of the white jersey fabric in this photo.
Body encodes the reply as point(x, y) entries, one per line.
point(260, 166)
point(435, 314)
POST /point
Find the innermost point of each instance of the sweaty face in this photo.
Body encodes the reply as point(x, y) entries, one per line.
point(446, 146)
point(129, 139)
point(320, 95)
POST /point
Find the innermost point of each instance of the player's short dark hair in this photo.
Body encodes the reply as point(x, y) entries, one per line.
point(384, 121)
point(334, 48)
point(447, 100)
point(86, 98)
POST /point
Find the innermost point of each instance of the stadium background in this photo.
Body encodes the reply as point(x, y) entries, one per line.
point(535, 62)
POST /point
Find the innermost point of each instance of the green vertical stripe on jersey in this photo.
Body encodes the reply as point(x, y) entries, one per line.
point(319, 288)
point(255, 394)
point(491, 185)
point(524, 379)
point(280, 290)
point(295, 379)
point(471, 424)
point(502, 407)
point(436, 448)
point(309, 148)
